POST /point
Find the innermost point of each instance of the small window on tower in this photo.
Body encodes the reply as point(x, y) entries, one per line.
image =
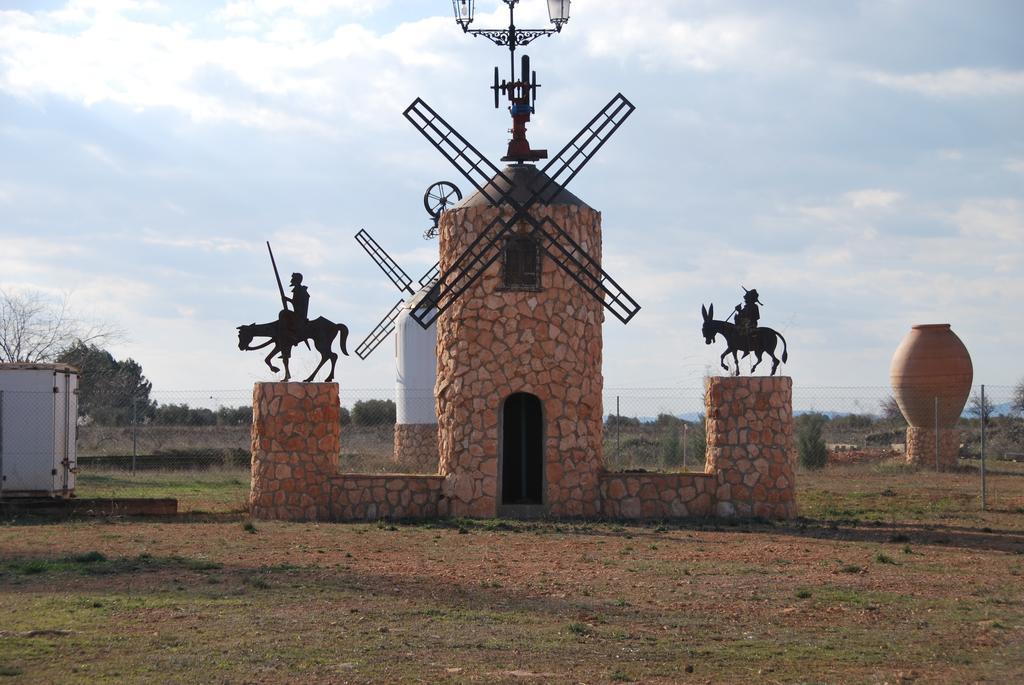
point(521, 263)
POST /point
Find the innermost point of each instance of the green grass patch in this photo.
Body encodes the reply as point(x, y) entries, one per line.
point(95, 563)
point(213, 490)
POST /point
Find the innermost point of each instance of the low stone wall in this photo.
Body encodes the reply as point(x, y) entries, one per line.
point(296, 432)
point(750, 445)
point(296, 440)
point(296, 436)
point(921, 447)
point(368, 497)
point(656, 495)
point(416, 446)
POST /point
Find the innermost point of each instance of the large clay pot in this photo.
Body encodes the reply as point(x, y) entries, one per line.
point(931, 362)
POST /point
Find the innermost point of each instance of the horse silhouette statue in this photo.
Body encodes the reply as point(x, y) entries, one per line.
point(759, 340)
point(321, 331)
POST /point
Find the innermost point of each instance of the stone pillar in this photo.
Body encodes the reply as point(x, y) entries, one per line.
point(416, 447)
point(921, 447)
point(750, 445)
point(296, 433)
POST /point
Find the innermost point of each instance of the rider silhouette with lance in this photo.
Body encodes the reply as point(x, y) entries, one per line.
point(295, 321)
point(293, 327)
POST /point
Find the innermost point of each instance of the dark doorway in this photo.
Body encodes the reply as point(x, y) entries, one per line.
point(522, 471)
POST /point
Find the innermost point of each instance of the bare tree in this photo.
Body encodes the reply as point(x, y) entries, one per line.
point(980, 410)
point(890, 409)
point(1017, 403)
point(36, 328)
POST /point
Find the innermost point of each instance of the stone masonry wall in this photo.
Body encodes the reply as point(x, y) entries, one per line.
point(657, 495)
point(296, 433)
point(492, 343)
point(368, 497)
point(416, 447)
point(921, 447)
point(295, 447)
point(750, 445)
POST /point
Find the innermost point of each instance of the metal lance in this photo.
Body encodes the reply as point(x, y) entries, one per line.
point(280, 288)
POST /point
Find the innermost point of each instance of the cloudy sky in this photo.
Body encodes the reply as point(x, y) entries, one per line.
point(860, 163)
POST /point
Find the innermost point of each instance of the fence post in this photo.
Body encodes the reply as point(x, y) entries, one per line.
point(686, 432)
point(135, 429)
point(1, 442)
point(619, 432)
point(936, 433)
point(984, 420)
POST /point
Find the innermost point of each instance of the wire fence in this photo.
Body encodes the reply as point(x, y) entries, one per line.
point(645, 428)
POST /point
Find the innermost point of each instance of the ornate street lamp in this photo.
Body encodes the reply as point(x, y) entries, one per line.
point(558, 13)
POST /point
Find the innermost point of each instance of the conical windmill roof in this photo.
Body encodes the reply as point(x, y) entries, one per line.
point(526, 178)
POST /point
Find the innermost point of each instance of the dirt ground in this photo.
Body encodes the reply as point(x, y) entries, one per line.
point(891, 576)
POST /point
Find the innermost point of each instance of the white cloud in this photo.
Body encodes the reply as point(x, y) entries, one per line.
point(987, 219)
point(206, 244)
point(264, 9)
point(953, 83)
point(98, 153)
point(654, 36)
point(282, 79)
point(1015, 165)
point(872, 198)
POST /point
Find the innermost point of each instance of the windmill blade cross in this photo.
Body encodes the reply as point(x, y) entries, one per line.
point(484, 250)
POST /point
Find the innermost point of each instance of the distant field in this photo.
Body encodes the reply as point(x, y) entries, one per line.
point(891, 576)
point(369, 449)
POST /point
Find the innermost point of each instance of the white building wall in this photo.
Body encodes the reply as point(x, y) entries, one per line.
point(415, 368)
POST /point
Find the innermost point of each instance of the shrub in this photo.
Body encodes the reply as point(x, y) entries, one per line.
point(697, 440)
point(345, 417)
point(671, 448)
point(183, 415)
point(373, 413)
point(621, 421)
point(813, 453)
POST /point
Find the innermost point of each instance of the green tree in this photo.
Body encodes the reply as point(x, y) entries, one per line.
point(812, 449)
point(234, 416)
point(373, 413)
point(345, 417)
point(110, 392)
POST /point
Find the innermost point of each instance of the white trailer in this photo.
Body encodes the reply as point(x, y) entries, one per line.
point(38, 427)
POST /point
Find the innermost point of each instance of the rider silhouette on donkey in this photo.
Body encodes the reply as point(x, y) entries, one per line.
point(747, 314)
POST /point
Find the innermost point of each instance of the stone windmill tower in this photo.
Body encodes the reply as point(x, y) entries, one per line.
point(519, 301)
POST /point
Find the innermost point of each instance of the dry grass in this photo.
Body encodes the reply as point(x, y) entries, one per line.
point(892, 576)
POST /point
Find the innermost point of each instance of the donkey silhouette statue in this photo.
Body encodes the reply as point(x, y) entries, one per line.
point(760, 340)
